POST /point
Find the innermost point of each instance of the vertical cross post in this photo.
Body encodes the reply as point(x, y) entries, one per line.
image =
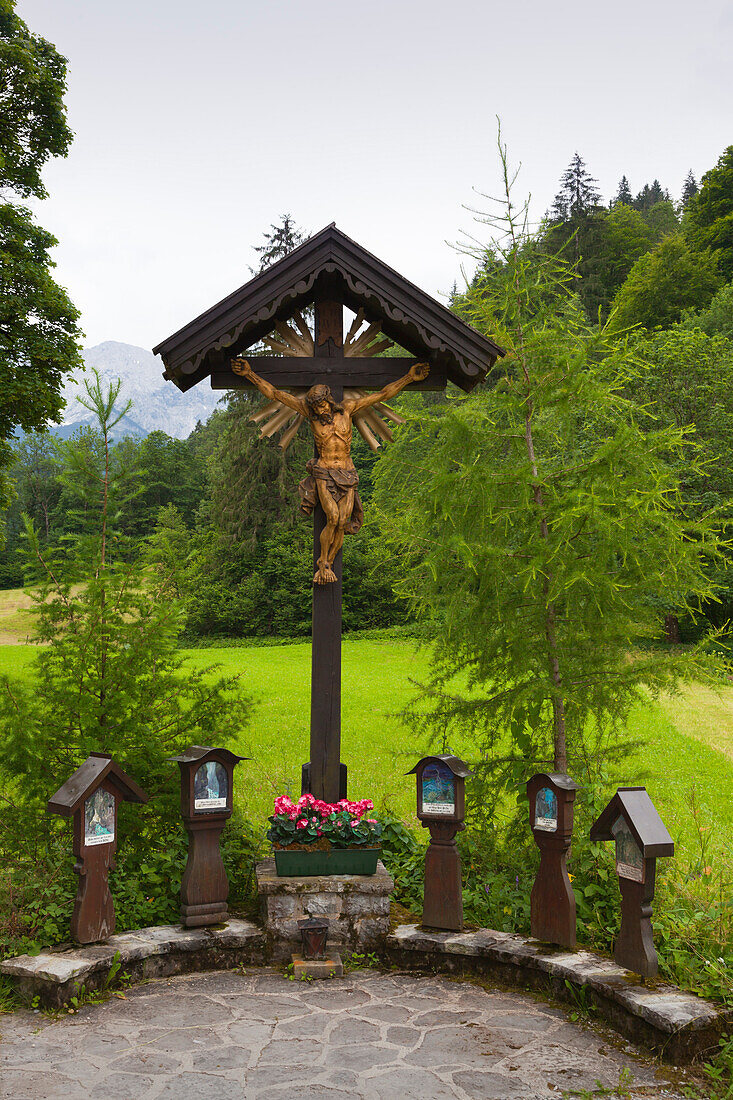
point(325, 775)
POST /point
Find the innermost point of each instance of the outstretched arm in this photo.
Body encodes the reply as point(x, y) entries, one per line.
point(416, 373)
point(243, 369)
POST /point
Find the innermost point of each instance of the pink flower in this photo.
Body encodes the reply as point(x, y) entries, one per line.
point(354, 822)
point(371, 821)
point(320, 832)
point(302, 824)
point(283, 805)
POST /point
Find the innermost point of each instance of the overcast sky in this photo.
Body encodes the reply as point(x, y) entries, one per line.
point(198, 124)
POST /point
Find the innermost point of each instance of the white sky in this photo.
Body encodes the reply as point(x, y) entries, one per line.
point(198, 124)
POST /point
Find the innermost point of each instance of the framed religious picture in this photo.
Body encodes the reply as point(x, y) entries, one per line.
point(211, 787)
point(545, 810)
point(438, 790)
point(629, 856)
point(99, 818)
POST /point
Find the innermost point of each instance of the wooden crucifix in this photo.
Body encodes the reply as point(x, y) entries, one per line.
point(330, 493)
point(328, 271)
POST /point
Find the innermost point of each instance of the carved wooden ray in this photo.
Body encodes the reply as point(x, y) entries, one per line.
point(359, 342)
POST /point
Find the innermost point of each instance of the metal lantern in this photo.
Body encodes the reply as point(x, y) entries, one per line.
point(314, 932)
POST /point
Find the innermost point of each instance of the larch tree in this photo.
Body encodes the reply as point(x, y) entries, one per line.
point(538, 522)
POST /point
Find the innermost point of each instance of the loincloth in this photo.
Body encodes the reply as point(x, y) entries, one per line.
point(338, 482)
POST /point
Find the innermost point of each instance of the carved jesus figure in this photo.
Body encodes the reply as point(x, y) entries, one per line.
point(332, 477)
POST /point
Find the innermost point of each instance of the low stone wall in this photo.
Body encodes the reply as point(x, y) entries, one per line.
point(677, 1025)
point(356, 907)
point(157, 952)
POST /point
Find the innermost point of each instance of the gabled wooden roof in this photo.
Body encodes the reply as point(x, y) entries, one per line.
point(640, 814)
point(457, 766)
point(328, 264)
point(97, 767)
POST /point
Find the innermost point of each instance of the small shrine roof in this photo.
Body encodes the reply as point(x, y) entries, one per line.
point(97, 767)
point(640, 814)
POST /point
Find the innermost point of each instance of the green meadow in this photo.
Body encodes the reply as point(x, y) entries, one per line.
point(685, 751)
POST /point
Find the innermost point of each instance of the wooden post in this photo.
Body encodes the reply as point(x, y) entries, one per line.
point(325, 776)
point(91, 797)
point(552, 903)
point(441, 808)
point(207, 782)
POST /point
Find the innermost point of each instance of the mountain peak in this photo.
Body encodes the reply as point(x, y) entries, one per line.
point(157, 405)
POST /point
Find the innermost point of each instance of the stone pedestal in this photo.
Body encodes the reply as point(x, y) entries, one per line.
point(307, 969)
point(356, 907)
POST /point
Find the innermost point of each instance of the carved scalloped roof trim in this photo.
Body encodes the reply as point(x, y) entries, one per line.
point(424, 323)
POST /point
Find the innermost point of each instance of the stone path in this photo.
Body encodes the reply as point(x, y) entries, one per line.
point(258, 1036)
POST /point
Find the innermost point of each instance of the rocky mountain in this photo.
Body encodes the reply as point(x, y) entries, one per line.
point(157, 405)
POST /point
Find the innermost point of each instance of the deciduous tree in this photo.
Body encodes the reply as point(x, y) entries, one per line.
point(665, 282)
point(710, 213)
point(40, 337)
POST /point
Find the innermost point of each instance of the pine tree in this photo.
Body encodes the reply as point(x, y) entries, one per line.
point(623, 195)
point(689, 188)
point(649, 196)
point(578, 194)
point(279, 243)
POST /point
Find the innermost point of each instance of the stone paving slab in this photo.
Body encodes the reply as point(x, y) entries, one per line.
point(370, 1036)
point(679, 1025)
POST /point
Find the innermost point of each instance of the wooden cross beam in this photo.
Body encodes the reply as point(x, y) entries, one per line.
point(349, 373)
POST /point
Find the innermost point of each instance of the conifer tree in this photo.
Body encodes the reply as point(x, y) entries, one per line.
point(649, 196)
point(623, 195)
point(710, 217)
point(548, 524)
point(109, 676)
point(689, 188)
point(578, 193)
point(279, 243)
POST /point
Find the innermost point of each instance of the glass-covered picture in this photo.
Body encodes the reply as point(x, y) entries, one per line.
point(629, 856)
point(545, 810)
point(438, 790)
point(210, 787)
point(99, 818)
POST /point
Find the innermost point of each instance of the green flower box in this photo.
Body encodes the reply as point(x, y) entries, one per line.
point(326, 861)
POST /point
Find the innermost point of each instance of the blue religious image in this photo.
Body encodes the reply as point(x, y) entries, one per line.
point(438, 790)
point(99, 818)
point(210, 787)
point(545, 810)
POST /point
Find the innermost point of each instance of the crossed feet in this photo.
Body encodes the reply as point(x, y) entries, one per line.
point(324, 575)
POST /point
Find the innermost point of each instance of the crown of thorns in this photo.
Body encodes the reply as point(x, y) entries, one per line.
point(316, 394)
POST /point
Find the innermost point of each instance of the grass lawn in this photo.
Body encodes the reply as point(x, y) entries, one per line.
point(687, 741)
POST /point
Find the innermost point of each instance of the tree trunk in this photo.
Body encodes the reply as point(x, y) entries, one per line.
point(672, 629)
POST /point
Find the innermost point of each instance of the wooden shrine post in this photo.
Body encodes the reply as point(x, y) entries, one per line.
point(324, 775)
